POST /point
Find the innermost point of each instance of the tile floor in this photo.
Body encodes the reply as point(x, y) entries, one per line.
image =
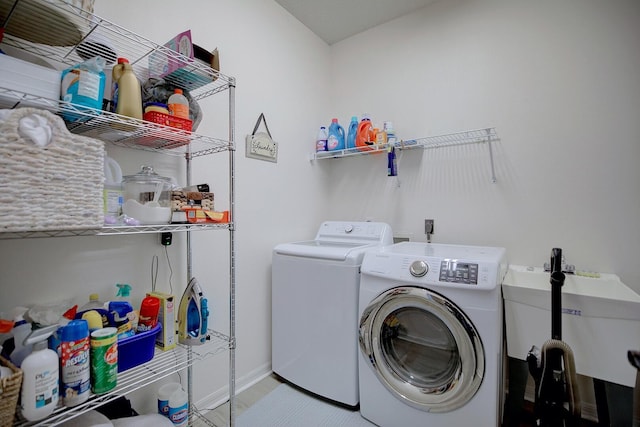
point(244, 400)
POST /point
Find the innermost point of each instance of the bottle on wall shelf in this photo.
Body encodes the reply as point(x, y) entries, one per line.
point(321, 140)
point(335, 140)
point(391, 134)
point(365, 136)
point(178, 104)
point(353, 131)
point(127, 93)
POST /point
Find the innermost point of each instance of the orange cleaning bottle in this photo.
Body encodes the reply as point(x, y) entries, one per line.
point(365, 137)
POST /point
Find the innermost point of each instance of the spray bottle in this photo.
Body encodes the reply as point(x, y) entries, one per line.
point(124, 294)
point(39, 395)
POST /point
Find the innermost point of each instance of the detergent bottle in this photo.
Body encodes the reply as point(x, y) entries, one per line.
point(391, 134)
point(365, 136)
point(127, 94)
point(321, 140)
point(353, 131)
point(335, 141)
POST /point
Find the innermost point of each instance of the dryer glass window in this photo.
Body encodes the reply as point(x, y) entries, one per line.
point(419, 347)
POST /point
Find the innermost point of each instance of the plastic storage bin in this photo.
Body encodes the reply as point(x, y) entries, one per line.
point(137, 349)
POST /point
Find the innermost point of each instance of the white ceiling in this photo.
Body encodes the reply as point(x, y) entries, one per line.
point(336, 20)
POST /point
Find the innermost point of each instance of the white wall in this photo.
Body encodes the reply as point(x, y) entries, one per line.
point(559, 82)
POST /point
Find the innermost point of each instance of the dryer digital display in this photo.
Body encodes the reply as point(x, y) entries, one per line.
point(453, 271)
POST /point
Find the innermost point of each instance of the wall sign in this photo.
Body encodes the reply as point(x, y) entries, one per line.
point(260, 145)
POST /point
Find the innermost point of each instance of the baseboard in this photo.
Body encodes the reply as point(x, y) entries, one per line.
point(221, 396)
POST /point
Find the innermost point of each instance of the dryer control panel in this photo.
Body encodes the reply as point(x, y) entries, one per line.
point(453, 271)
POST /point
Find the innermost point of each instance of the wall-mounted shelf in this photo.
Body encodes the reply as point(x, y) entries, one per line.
point(487, 135)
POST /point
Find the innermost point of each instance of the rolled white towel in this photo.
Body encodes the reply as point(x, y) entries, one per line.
point(32, 127)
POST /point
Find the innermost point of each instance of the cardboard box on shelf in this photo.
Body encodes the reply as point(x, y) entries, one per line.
point(200, 69)
point(166, 339)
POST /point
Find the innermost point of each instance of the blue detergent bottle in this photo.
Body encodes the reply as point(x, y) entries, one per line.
point(353, 131)
point(336, 136)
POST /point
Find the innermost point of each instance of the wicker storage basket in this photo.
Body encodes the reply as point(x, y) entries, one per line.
point(9, 392)
point(52, 187)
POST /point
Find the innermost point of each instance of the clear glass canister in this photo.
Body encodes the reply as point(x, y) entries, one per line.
point(147, 197)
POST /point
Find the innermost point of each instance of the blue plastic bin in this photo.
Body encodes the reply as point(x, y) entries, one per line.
point(137, 349)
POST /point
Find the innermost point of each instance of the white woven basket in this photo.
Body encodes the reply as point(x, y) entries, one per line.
point(56, 187)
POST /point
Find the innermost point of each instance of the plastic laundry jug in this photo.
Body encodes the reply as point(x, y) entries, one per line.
point(365, 137)
point(127, 94)
point(352, 132)
point(335, 140)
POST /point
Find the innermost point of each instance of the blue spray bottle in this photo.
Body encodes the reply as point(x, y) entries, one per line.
point(335, 141)
point(353, 131)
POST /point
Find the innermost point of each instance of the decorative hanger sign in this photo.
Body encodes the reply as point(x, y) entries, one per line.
point(260, 145)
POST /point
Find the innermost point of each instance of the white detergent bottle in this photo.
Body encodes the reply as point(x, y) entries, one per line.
point(40, 377)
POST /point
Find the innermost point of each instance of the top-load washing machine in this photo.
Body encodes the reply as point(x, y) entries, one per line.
point(315, 288)
point(430, 335)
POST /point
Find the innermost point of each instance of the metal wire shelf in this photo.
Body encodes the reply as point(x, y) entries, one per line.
point(124, 131)
point(62, 32)
point(163, 364)
point(476, 136)
point(115, 230)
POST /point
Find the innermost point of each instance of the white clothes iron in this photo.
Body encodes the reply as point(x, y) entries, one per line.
point(193, 315)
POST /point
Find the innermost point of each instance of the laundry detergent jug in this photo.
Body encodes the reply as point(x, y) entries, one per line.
point(335, 141)
point(365, 137)
point(353, 131)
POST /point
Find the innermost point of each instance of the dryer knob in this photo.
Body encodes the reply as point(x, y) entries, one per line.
point(348, 228)
point(418, 268)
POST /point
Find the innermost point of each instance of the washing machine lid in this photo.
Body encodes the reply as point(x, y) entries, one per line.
point(338, 251)
point(340, 241)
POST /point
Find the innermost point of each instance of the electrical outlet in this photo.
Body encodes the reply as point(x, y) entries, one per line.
point(165, 239)
point(428, 226)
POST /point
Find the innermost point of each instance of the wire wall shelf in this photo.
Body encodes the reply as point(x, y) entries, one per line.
point(477, 136)
point(163, 364)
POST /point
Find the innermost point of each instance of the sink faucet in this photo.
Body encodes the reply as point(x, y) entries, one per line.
point(563, 266)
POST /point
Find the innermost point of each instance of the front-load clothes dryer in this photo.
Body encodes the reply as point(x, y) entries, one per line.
point(430, 335)
point(315, 287)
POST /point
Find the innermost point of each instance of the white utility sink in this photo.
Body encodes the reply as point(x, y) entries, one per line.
point(600, 320)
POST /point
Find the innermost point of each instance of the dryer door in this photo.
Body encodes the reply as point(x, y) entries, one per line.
point(423, 348)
